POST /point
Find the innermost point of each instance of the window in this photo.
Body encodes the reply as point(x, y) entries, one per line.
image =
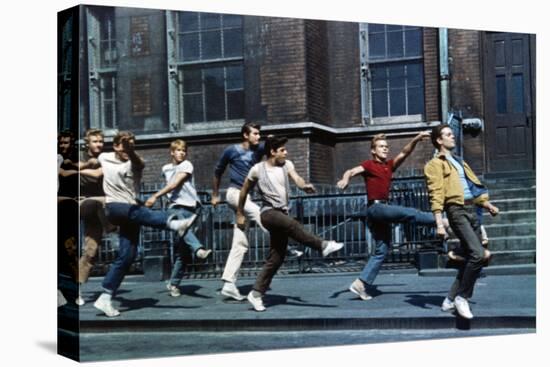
point(102, 67)
point(392, 73)
point(206, 67)
point(64, 76)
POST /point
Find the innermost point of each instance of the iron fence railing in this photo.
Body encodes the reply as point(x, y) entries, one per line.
point(329, 213)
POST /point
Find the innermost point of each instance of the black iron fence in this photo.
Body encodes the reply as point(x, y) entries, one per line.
point(330, 213)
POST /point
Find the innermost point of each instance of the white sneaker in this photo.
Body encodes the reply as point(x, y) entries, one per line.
point(106, 307)
point(256, 302)
point(358, 288)
point(61, 301)
point(230, 290)
point(185, 224)
point(80, 301)
point(332, 246)
point(463, 308)
point(174, 290)
point(447, 305)
point(203, 253)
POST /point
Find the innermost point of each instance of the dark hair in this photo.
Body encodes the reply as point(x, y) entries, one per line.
point(65, 134)
point(118, 137)
point(273, 143)
point(436, 133)
point(247, 128)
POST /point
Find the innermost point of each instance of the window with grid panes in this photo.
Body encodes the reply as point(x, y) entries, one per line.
point(392, 73)
point(210, 67)
point(102, 64)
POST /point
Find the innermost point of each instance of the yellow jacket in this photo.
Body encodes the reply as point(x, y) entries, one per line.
point(444, 186)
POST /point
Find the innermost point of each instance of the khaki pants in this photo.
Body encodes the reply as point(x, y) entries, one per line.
point(239, 245)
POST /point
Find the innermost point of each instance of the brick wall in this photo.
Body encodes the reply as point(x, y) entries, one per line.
point(321, 162)
point(282, 75)
point(466, 88)
point(344, 73)
point(431, 74)
point(317, 73)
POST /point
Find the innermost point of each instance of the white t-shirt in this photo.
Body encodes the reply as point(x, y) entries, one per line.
point(275, 190)
point(185, 194)
point(120, 182)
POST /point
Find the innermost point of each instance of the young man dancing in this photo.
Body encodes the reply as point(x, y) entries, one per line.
point(272, 179)
point(122, 171)
point(92, 207)
point(454, 188)
point(377, 173)
point(240, 158)
point(183, 203)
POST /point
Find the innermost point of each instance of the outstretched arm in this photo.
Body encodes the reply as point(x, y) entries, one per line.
point(344, 181)
point(179, 179)
point(407, 150)
point(300, 182)
point(98, 172)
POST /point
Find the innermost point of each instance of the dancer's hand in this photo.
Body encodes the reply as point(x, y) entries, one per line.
point(308, 188)
point(493, 210)
point(215, 200)
point(151, 201)
point(241, 221)
point(441, 231)
point(424, 134)
point(342, 184)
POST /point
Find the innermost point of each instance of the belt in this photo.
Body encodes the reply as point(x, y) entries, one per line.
point(372, 202)
point(469, 202)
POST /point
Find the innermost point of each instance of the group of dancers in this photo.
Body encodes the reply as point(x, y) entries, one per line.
point(109, 196)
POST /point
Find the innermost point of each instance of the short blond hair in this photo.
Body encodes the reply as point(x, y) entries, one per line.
point(376, 138)
point(92, 132)
point(178, 143)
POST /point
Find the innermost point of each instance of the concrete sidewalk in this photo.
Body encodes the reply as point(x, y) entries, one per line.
point(312, 302)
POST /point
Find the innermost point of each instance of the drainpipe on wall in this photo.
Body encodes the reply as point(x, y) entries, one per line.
point(444, 73)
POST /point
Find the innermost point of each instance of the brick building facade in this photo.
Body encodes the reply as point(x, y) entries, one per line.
point(310, 80)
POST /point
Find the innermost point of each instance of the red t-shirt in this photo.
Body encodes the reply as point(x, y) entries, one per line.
point(378, 177)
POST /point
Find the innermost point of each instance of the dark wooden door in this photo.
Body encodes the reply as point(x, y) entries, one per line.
point(508, 102)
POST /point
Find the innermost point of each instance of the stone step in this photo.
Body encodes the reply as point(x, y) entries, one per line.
point(512, 243)
point(513, 257)
point(515, 193)
point(511, 217)
point(516, 229)
point(515, 204)
point(510, 184)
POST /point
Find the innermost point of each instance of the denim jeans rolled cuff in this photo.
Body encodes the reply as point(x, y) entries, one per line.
point(178, 212)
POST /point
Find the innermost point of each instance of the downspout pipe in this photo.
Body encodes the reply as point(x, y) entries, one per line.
point(444, 73)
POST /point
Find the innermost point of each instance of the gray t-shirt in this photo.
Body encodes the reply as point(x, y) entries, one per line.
point(120, 182)
point(185, 194)
point(273, 184)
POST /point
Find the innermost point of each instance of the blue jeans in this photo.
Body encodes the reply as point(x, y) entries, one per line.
point(129, 218)
point(184, 247)
point(380, 217)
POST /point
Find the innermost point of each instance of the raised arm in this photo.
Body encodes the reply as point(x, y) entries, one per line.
point(344, 181)
point(407, 150)
point(179, 179)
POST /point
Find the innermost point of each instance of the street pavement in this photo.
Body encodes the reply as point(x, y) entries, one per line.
point(316, 309)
